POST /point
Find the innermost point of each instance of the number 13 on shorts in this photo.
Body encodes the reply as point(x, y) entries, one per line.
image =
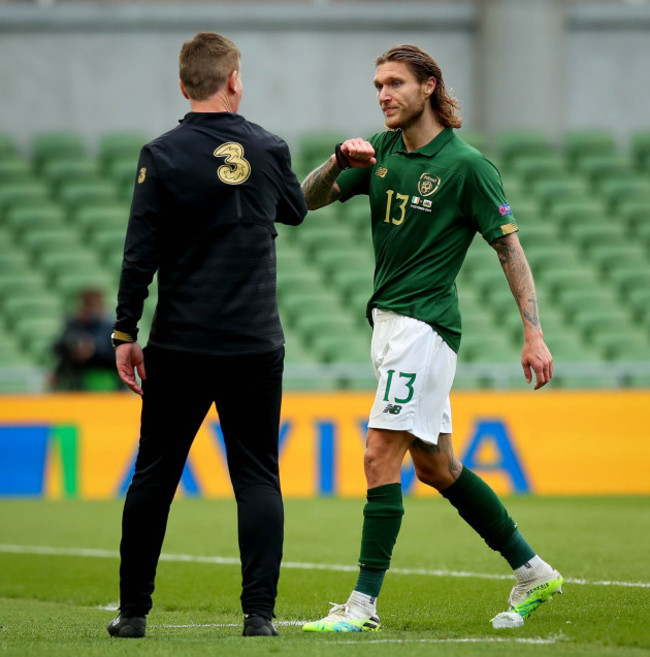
point(410, 380)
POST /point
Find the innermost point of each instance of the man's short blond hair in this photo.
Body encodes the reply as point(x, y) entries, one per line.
point(205, 62)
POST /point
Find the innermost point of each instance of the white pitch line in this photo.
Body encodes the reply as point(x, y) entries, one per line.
point(292, 565)
point(486, 639)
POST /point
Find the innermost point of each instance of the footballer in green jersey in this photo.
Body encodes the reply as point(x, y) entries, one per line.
point(426, 206)
point(429, 193)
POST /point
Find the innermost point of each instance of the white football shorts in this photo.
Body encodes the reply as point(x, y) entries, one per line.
point(415, 369)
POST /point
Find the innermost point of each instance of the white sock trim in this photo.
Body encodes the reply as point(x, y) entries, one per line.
point(532, 569)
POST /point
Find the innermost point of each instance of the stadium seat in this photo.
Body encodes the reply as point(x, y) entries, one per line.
point(638, 301)
point(608, 257)
point(489, 348)
point(107, 241)
point(598, 168)
point(21, 284)
point(570, 211)
point(550, 192)
point(627, 277)
point(618, 191)
point(55, 263)
point(622, 344)
point(75, 195)
point(533, 168)
point(22, 194)
point(8, 148)
point(37, 334)
point(121, 146)
point(69, 285)
point(293, 304)
point(11, 355)
point(23, 220)
point(567, 347)
point(92, 217)
point(538, 233)
point(585, 142)
point(317, 324)
point(15, 169)
point(633, 213)
point(640, 147)
point(32, 306)
point(315, 147)
point(56, 145)
point(14, 262)
point(59, 172)
point(304, 280)
point(543, 257)
point(512, 144)
point(39, 240)
point(348, 348)
point(350, 282)
point(586, 236)
point(592, 320)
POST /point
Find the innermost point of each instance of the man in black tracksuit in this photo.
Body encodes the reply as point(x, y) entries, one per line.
point(206, 197)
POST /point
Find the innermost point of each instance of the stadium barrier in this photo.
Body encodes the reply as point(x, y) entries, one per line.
point(545, 443)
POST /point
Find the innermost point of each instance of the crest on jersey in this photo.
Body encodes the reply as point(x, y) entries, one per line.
point(428, 184)
point(142, 175)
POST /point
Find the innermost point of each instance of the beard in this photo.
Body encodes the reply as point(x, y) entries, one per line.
point(408, 117)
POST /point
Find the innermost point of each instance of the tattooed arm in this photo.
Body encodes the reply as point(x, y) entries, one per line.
point(320, 187)
point(535, 354)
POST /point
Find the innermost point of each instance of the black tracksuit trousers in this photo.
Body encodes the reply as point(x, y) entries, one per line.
point(177, 394)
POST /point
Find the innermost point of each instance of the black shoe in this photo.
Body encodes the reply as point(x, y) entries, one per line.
point(258, 626)
point(127, 628)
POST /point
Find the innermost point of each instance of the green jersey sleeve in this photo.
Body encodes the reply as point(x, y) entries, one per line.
point(484, 200)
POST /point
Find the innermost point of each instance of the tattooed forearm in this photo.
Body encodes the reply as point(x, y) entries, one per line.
point(515, 266)
point(320, 187)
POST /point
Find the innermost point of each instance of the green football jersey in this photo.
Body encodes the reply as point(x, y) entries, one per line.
point(426, 206)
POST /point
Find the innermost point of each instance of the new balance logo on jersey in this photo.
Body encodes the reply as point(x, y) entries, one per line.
point(393, 409)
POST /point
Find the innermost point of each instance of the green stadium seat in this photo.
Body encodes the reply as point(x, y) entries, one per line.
point(543, 257)
point(60, 172)
point(317, 324)
point(538, 233)
point(569, 211)
point(11, 355)
point(598, 168)
point(22, 194)
point(60, 262)
point(593, 320)
point(123, 172)
point(616, 192)
point(304, 280)
point(622, 344)
point(350, 282)
point(15, 169)
point(573, 299)
point(292, 305)
point(93, 217)
point(39, 240)
point(121, 146)
point(13, 262)
point(295, 352)
point(633, 213)
point(475, 139)
point(34, 333)
point(533, 168)
point(315, 147)
point(513, 144)
point(107, 241)
point(351, 348)
point(348, 258)
point(8, 148)
point(20, 284)
point(550, 192)
point(587, 236)
point(640, 147)
point(24, 220)
point(489, 348)
point(638, 301)
point(567, 347)
point(75, 195)
point(586, 142)
point(573, 275)
point(627, 277)
point(70, 284)
point(56, 145)
point(608, 257)
point(45, 306)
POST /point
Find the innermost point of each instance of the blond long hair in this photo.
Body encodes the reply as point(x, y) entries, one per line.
point(423, 66)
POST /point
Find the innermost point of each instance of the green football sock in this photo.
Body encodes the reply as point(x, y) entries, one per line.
point(484, 512)
point(382, 518)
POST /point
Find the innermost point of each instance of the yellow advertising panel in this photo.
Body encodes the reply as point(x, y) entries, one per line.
point(547, 443)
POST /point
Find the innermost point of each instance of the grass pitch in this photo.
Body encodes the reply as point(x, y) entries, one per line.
point(59, 568)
